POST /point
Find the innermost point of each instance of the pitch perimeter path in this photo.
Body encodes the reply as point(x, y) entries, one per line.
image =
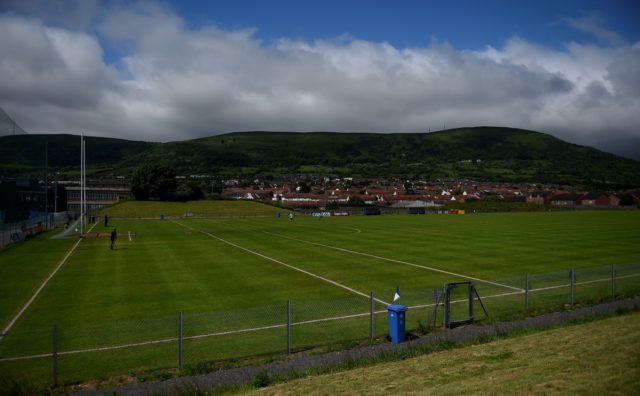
point(365, 295)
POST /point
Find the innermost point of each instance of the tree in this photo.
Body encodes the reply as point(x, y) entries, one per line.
point(183, 193)
point(355, 200)
point(153, 182)
point(303, 188)
point(332, 205)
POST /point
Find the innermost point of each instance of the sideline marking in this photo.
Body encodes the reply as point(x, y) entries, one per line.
point(253, 329)
point(33, 297)
point(395, 261)
point(283, 263)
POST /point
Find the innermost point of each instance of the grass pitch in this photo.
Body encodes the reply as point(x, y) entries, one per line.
point(236, 270)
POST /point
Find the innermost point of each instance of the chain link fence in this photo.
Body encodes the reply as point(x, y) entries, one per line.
point(195, 342)
point(19, 231)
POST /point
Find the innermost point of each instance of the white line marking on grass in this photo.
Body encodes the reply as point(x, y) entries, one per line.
point(285, 264)
point(35, 294)
point(395, 261)
point(357, 230)
point(254, 329)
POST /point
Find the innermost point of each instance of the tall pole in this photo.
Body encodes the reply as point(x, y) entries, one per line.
point(55, 199)
point(46, 185)
point(81, 183)
point(84, 179)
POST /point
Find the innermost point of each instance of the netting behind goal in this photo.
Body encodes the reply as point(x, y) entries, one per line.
point(8, 126)
point(72, 231)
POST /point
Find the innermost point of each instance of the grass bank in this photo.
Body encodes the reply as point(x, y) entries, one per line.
point(597, 357)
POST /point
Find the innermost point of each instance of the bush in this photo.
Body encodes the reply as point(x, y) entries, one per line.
point(261, 380)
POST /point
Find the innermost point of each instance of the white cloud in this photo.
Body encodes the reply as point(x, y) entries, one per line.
point(177, 82)
point(592, 24)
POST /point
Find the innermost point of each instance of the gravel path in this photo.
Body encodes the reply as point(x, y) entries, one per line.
point(244, 375)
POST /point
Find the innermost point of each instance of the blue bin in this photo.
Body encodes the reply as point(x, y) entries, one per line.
point(397, 322)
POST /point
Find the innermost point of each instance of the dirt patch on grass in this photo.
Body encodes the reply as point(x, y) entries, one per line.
point(94, 235)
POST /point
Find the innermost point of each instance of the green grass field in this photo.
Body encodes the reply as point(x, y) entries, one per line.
point(236, 269)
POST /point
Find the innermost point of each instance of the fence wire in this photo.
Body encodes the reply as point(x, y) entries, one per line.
point(190, 339)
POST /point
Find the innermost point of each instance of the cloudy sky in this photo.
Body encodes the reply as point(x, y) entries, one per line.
point(164, 71)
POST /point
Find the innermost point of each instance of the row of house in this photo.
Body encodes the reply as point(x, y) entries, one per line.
point(400, 197)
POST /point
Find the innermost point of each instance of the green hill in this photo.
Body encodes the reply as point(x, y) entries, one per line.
point(484, 153)
point(26, 153)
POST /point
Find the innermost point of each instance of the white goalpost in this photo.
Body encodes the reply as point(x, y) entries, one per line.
point(83, 186)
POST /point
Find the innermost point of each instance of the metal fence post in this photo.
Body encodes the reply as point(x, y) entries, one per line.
point(447, 306)
point(472, 287)
point(180, 340)
point(371, 319)
point(288, 326)
point(613, 282)
point(526, 291)
point(55, 355)
point(572, 278)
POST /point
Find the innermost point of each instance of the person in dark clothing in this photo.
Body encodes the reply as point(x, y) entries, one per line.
point(106, 220)
point(114, 236)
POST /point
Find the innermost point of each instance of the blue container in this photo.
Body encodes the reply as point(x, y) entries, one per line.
point(397, 322)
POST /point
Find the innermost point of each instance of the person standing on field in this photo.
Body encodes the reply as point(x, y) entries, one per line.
point(114, 236)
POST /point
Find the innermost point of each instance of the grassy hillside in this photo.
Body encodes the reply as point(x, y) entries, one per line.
point(483, 153)
point(505, 154)
point(579, 359)
point(26, 153)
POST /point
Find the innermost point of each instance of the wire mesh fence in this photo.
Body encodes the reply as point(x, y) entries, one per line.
point(19, 231)
point(187, 340)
